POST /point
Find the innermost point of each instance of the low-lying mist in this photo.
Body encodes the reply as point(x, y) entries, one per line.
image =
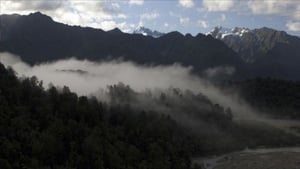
point(85, 78)
point(149, 83)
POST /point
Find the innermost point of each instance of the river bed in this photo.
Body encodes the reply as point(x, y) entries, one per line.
point(263, 158)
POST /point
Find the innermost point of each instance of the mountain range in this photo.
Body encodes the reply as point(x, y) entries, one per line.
point(37, 38)
point(268, 52)
point(263, 52)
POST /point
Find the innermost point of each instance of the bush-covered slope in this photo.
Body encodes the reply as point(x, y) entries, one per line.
point(55, 128)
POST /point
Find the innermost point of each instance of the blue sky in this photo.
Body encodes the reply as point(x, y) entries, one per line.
point(186, 16)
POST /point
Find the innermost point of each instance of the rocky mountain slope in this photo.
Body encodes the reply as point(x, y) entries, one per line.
point(268, 52)
point(148, 32)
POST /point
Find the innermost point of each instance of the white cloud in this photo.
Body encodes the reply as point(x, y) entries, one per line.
point(85, 77)
point(149, 16)
point(116, 5)
point(186, 3)
point(202, 23)
point(290, 8)
point(296, 13)
point(184, 20)
point(217, 5)
point(99, 75)
point(269, 6)
point(293, 26)
point(287, 8)
point(98, 14)
point(136, 2)
point(25, 7)
point(121, 16)
point(108, 25)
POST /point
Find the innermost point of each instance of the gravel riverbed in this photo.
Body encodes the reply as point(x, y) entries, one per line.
point(278, 158)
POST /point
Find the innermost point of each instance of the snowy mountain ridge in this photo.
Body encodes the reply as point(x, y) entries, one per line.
point(147, 32)
point(221, 32)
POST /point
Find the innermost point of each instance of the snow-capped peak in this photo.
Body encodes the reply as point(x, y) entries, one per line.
point(221, 32)
point(147, 32)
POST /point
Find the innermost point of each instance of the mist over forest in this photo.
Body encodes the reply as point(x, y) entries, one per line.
point(137, 82)
point(202, 116)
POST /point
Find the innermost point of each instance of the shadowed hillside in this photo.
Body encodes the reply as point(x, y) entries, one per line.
point(37, 38)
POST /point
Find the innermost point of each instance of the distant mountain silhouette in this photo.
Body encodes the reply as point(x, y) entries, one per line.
point(37, 38)
point(259, 52)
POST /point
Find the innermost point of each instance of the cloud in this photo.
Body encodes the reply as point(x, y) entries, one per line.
point(217, 5)
point(92, 78)
point(296, 13)
point(293, 26)
point(186, 3)
point(219, 71)
point(287, 8)
point(86, 77)
point(107, 25)
point(85, 13)
point(24, 7)
point(116, 5)
point(136, 2)
point(101, 74)
point(149, 16)
point(258, 7)
point(163, 89)
point(202, 23)
point(272, 6)
point(184, 20)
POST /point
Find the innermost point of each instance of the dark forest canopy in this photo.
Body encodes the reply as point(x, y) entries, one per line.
point(275, 97)
point(56, 128)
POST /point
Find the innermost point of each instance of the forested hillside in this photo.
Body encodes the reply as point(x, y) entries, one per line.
point(55, 128)
point(273, 96)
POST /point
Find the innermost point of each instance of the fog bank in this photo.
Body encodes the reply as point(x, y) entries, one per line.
point(93, 78)
point(85, 78)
